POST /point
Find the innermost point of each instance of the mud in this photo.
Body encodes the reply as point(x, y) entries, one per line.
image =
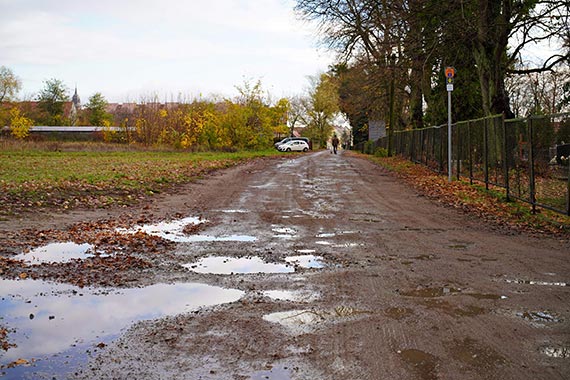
point(381, 283)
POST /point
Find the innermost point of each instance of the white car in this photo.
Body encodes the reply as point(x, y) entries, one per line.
point(294, 145)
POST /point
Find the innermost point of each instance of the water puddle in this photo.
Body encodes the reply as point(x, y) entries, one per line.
point(231, 265)
point(539, 317)
point(49, 322)
point(177, 231)
point(430, 292)
point(284, 232)
point(338, 245)
point(424, 364)
point(486, 296)
point(291, 295)
point(562, 352)
point(274, 373)
point(211, 238)
point(296, 320)
point(248, 265)
point(172, 231)
point(306, 261)
point(304, 321)
point(57, 253)
point(326, 235)
point(475, 354)
point(540, 283)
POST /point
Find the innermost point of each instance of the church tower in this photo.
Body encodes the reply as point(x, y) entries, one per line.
point(75, 107)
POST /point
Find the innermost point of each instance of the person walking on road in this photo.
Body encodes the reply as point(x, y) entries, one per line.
point(335, 141)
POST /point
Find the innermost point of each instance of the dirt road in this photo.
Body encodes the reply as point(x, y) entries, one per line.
point(386, 284)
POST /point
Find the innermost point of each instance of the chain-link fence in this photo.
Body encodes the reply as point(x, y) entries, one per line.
point(527, 157)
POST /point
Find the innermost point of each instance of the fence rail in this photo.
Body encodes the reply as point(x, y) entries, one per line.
point(526, 157)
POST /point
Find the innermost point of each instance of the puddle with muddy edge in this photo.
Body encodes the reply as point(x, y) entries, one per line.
point(539, 317)
point(429, 292)
point(291, 295)
point(53, 326)
point(304, 321)
point(249, 265)
point(306, 261)
point(57, 253)
point(560, 352)
point(423, 364)
point(274, 373)
point(232, 265)
point(533, 282)
point(174, 231)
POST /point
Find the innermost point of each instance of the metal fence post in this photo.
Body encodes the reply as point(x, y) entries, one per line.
point(568, 190)
point(486, 153)
point(532, 188)
point(470, 150)
point(505, 157)
point(441, 145)
point(412, 145)
point(458, 150)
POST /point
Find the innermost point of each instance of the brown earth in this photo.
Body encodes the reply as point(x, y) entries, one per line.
point(410, 289)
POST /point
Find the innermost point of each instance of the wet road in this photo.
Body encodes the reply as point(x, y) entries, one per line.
point(346, 273)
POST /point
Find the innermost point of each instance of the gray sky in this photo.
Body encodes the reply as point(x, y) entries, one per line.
point(128, 49)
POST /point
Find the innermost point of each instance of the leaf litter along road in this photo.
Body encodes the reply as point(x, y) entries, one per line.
point(408, 289)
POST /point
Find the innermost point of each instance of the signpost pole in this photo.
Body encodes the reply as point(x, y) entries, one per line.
point(449, 166)
point(449, 74)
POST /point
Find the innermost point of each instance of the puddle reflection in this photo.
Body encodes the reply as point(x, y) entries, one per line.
point(306, 261)
point(229, 265)
point(173, 230)
point(57, 253)
point(291, 295)
point(541, 283)
point(211, 238)
point(46, 319)
point(275, 373)
point(247, 265)
point(556, 352)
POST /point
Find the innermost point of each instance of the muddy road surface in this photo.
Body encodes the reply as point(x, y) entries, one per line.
point(315, 266)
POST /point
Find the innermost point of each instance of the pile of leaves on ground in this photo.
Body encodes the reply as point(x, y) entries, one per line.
point(490, 205)
point(118, 258)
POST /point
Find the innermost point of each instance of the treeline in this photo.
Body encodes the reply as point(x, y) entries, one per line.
point(249, 121)
point(392, 57)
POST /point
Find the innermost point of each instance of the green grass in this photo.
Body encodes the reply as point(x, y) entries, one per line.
point(96, 177)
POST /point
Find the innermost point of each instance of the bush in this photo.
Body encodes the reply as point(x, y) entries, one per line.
point(19, 124)
point(369, 147)
point(381, 152)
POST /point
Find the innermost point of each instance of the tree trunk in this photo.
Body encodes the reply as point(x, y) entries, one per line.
point(490, 49)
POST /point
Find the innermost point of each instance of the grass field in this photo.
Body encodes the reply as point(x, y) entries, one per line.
point(97, 175)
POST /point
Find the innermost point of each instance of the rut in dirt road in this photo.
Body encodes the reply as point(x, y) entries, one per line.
point(346, 273)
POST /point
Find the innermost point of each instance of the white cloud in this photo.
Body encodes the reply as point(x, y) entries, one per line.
point(118, 47)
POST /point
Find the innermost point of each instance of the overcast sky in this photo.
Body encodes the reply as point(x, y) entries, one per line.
point(128, 49)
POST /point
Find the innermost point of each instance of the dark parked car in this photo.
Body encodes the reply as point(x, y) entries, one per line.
point(287, 139)
point(562, 154)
